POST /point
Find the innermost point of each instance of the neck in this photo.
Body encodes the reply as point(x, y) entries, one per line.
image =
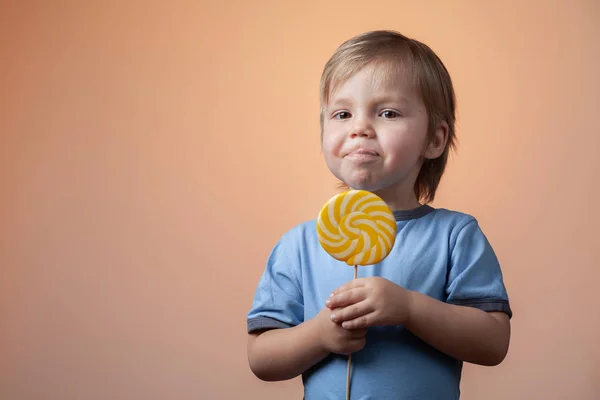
point(399, 200)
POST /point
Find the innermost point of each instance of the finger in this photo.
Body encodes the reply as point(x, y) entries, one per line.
point(361, 322)
point(346, 298)
point(354, 283)
point(351, 312)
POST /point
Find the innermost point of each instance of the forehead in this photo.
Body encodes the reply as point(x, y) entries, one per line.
point(378, 75)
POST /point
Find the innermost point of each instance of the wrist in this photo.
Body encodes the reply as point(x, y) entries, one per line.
point(314, 336)
point(411, 307)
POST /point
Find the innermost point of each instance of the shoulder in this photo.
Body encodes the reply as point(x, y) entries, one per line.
point(454, 224)
point(450, 219)
point(298, 242)
point(300, 233)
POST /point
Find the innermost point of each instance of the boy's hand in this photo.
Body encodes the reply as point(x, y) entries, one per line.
point(365, 302)
point(334, 338)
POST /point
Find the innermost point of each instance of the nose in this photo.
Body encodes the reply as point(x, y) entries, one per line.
point(362, 128)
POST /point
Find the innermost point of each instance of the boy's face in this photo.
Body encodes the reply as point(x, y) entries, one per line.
point(375, 135)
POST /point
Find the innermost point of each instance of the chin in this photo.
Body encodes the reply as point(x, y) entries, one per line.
point(360, 180)
point(368, 186)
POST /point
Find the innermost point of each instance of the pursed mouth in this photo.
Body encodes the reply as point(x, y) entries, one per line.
point(363, 152)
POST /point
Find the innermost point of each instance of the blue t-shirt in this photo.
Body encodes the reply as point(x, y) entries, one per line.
point(438, 252)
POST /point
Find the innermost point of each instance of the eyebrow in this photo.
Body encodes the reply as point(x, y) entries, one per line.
point(377, 100)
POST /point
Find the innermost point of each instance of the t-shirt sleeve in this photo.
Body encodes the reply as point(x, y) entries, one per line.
point(278, 301)
point(475, 277)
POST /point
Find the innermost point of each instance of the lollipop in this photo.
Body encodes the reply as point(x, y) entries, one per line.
point(356, 227)
point(359, 228)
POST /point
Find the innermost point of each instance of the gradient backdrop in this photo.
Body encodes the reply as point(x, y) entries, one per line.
point(152, 153)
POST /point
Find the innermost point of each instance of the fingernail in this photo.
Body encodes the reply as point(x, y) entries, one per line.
point(327, 302)
point(333, 317)
point(331, 295)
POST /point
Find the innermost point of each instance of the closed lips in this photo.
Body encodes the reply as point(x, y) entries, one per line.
point(366, 152)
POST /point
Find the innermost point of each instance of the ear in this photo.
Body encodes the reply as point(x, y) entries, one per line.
point(437, 144)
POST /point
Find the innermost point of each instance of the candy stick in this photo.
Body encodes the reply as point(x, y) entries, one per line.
point(350, 355)
point(359, 228)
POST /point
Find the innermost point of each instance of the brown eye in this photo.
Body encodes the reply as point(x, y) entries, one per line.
point(342, 115)
point(389, 114)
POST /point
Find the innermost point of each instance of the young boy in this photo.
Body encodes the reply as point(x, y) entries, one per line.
point(437, 300)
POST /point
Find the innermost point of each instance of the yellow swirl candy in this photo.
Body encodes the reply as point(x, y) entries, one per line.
point(357, 227)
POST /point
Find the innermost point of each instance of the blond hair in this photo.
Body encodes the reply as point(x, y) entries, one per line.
point(430, 78)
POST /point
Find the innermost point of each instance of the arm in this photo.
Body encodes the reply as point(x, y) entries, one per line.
point(287, 343)
point(280, 354)
point(462, 332)
point(282, 351)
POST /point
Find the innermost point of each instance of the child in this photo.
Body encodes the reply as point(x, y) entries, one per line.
point(437, 300)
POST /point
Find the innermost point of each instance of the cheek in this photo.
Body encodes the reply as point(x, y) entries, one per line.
point(331, 143)
point(402, 149)
point(331, 149)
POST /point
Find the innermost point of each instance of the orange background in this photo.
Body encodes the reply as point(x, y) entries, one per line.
point(151, 154)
